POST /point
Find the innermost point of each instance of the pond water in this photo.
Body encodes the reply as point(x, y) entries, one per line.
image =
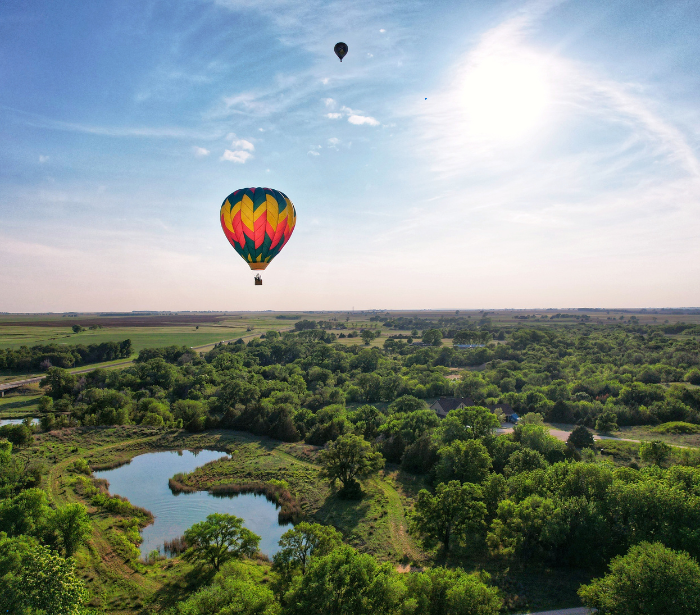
point(145, 483)
point(16, 421)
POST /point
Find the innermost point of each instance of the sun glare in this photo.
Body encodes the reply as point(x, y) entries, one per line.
point(505, 98)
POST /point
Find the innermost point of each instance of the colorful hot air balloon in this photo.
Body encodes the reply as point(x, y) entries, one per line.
point(341, 50)
point(258, 222)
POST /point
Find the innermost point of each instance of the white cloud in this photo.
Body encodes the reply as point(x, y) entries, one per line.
point(200, 151)
point(329, 102)
point(43, 159)
point(358, 120)
point(370, 55)
point(333, 142)
point(239, 156)
point(334, 116)
point(243, 144)
point(382, 30)
point(313, 153)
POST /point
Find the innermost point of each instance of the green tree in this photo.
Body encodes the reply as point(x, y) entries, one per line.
point(348, 458)
point(524, 460)
point(606, 421)
point(468, 423)
point(19, 435)
point(345, 582)
point(432, 337)
point(232, 592)
point(218, 539)
point(407, 403)
point(36, 580)
point(71, 525)
point(367, 336)
point(656, 452)
point(467, 462)
point(303, 541)
point(454, 511)
point(650, 580)
point(441, 591)
point(26, 513)
point(535, 527)
point(59, 382)
point(580, 437)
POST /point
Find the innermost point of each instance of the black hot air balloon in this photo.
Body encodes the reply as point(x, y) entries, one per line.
point(341, 50)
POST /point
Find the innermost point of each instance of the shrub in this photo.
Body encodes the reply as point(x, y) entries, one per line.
point(677, 427)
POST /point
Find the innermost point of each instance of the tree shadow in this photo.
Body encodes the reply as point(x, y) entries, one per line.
point(344, 514)
point(178, 588)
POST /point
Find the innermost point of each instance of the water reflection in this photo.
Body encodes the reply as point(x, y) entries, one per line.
point(145, 483)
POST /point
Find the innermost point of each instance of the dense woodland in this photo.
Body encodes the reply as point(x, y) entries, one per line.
point(523, 497)
point(35, 358)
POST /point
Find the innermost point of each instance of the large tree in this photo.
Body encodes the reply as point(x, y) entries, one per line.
point(348, 458)
point(303, 541)
point(440, 591)
point(649, 580)
point(656, 452)
point(218, 539)
point(468, 423)
point(71, 525)
point(37, 580)
point(454, 511)
point(580, 437)
point(345, 582)
point(467, 462)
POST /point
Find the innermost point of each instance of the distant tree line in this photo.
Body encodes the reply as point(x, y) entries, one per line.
point(42, 357)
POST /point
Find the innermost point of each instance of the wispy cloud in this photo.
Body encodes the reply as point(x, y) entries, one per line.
point(334, 116)
point(160, 132)
point(43, 159)
point(200, 151)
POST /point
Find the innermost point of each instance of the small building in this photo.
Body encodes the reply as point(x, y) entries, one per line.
point(509, 414)
point(445, 404)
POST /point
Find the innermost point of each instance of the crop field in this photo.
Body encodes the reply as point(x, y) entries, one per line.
point(196, 329)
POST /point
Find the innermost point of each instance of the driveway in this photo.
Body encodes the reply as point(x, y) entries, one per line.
point(563, 435)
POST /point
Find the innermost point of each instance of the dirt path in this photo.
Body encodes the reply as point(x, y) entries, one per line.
point(563, 435)
point(101, 551)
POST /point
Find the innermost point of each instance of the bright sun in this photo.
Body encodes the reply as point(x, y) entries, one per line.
point(505, 98)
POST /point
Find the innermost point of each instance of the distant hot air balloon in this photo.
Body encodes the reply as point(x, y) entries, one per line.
point(258, 222)
point(341, 50)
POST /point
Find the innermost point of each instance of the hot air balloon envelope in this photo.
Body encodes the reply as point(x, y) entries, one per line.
point(258, 222)
point(341, 50)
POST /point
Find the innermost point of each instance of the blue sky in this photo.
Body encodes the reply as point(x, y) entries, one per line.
point(555, 162)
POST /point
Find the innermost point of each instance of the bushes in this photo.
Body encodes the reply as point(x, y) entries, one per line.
point(677, 427)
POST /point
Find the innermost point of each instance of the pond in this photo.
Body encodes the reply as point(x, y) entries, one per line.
point(144, 482)
point(35, 421)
